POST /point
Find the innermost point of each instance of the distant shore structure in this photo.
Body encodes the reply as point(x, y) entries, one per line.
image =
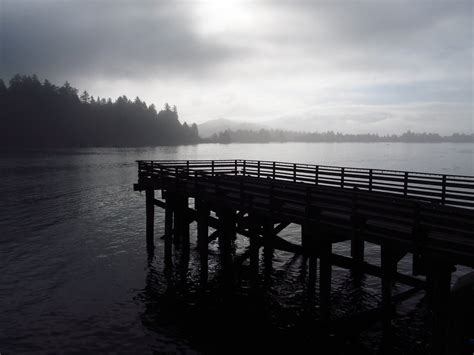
point(429, 216)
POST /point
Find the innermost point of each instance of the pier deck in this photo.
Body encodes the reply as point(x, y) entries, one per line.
point(430, 216)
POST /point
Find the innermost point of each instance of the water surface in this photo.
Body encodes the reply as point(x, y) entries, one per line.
point(76, 277)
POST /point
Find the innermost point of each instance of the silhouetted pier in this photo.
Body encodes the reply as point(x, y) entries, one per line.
point(429, 216)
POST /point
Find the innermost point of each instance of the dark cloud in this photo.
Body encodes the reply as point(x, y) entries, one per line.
point(103, 39)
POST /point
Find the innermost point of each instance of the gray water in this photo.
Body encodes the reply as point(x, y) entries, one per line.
point(75, 275)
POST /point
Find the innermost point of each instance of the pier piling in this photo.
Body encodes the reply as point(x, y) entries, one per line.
point(150, 217)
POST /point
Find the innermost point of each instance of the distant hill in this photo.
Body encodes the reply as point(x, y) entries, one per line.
point(208, 128)
point(282, 130)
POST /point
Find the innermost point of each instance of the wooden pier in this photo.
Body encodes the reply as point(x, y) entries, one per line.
point(429, 216)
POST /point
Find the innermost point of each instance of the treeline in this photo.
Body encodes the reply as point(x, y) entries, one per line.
point(40, 114)
point(271, 135)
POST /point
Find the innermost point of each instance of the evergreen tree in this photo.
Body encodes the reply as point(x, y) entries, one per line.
point(85, 98)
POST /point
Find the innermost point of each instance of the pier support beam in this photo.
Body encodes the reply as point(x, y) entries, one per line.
point(325, 251)
point(440, 273)
point(227, 226)
point(150, 218)
point(181, 221)
point(309, 250)
point(254, 249)
point(389, 268)
point(268, 247)
point(254, 254)
point(168, 226)
point(203, 212)
point(357, 253)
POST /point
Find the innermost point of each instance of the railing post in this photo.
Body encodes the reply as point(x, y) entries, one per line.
point(274, 168)
point(316, 175)
point(294, 172)
point(187, 167)
point(370, 180)
point(212, 168)
point(176, 174)
point(245, 162)
point(342, 177)
point(258, 169)
point(150, 169)
point(405, 185)
point(196, 181)
point(235, 166)
point(443, 190)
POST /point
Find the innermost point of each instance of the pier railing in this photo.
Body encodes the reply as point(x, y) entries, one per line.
point(452, 190)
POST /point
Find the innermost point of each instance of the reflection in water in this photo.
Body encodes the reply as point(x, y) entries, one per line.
point(239, 309)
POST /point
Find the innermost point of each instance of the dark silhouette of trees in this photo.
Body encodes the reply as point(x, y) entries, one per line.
point(36, 114)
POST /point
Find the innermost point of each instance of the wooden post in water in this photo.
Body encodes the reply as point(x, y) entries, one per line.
point(168, 225)
point(177, 221)
point(357, 246)
point(203, 212)
point(440, 273)
point(309, 252)
point(184, 206)
point(181, 221)
point(227, 235)
point(325, 269)
point(389, 267)
point(254, 256)
point(268, 247)
point(309, 231)
point(150, 217)
point(357, 252)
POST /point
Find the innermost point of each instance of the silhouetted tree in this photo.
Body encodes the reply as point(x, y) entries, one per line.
point(85, 98)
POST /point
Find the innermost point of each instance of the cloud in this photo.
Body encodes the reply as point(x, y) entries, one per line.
point(388, 37)
point(344, 65)
point(103, 39)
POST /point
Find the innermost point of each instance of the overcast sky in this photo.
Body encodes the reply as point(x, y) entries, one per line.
point(352, 66)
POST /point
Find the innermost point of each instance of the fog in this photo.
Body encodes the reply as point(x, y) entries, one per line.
point(351, 66)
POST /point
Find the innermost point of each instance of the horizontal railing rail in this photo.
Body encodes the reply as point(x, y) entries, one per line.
point(443, 189)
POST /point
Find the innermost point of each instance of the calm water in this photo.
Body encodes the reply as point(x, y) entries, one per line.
point(75, 275)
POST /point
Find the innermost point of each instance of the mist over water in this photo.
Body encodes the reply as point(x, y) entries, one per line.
point(76, 277)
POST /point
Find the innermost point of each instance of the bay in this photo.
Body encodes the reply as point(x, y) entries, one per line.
point(75, 273)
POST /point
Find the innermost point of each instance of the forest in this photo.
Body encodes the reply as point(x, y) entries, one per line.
point(41, 114)
point(274, 135)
